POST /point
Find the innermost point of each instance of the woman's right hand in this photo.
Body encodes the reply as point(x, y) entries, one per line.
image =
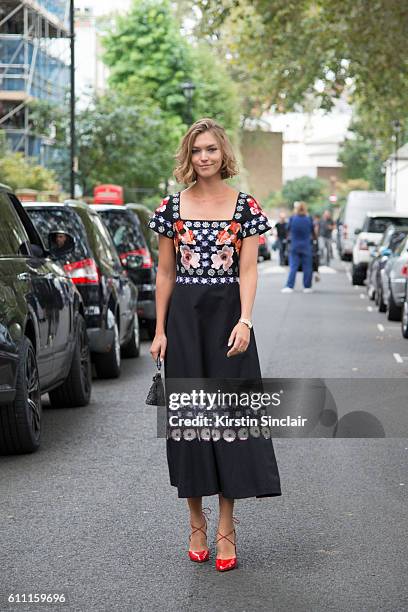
point(158, 347)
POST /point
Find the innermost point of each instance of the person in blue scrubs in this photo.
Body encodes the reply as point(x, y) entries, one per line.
point(301, 233)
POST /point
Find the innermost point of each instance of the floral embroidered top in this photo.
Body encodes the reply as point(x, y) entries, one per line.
point(207, 252)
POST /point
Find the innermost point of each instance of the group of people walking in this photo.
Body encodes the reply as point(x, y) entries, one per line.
point(301, 239)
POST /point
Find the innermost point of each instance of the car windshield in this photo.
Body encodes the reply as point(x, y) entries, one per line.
point(378, 225)
point(124, 228)
point(51, 219)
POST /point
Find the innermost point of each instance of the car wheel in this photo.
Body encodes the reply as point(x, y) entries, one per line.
point(404, 320)
point(107, 365)
point(20, 422)
point(357, 278)
point(132, 348)
point(393, 310)
point(76, 388)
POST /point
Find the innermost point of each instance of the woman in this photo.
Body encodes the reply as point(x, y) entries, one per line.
point(301, 234)
point(205, 288)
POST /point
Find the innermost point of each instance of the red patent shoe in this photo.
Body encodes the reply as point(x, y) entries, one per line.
point(199, 556)
point(223, 565)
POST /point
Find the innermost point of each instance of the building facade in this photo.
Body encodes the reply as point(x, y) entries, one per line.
point(396, 178)
point(34, 65)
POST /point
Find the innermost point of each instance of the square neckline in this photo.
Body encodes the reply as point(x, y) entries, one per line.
point(178, 193)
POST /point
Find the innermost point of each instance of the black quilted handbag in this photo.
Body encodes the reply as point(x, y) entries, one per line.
point(156, 396)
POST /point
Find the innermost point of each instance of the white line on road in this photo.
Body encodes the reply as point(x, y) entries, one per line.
point(327, 270)
point(380, 327)
point(398, 358)
point(370, 308)
point(362, 296)
point(348, 276)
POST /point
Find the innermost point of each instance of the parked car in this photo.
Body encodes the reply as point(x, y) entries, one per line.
point(404, 313)
point(152, 239)
point(393, 280)
point(379, 255)
point(125, 230)
point(110, 297)
point(43, 341)
point(352, 216)
point(369, 235)
point(263, 248)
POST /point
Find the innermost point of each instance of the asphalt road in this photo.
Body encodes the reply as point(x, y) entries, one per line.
point(92, 514)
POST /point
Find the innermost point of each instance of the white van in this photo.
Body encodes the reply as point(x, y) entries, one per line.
point(358, 204)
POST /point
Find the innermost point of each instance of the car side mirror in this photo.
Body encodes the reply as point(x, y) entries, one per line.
point(385, 252)
point(133, 262)
point(357, 231)
point(36, 250)
point(60, 244)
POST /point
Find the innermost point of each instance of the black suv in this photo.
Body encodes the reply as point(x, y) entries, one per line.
point(43, 341)
point(124, 227)
point(109, 296)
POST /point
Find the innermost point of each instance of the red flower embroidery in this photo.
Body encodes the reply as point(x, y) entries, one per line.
point(229, 233)
point(163, 205)
point(254, 207)
point(186, 236)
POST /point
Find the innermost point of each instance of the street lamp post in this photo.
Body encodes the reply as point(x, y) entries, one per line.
point(72, 101)
point(188, 91)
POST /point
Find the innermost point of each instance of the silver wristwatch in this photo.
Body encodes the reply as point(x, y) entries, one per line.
point(247, 322)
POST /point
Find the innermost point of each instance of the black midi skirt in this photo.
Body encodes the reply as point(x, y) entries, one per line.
point(199, 321)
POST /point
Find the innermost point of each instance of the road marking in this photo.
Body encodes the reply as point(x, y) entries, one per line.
point(356, 287)
point(327, 270)
point(362, 296)
point(380, 327)
point(398, 358)
point(370, 308)
point(348, 276)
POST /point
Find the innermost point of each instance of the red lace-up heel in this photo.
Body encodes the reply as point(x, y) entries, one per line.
point(199, 556)
point(223, 565)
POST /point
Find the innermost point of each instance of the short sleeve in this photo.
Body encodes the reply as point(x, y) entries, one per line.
point(162, 219)
point(254, 219)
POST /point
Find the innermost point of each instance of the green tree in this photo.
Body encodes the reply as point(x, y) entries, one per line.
point(24, 173)
point(125, 144)
point(362, 160)
point(150, 59)
point(293, 53)
point(313, 191)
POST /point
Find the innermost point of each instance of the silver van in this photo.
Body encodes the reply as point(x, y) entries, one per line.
point(358, 204)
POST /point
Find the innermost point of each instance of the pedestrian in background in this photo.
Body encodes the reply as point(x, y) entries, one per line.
point(282, 237)
point(316, 224)
point(326, 227)
point(301, 233)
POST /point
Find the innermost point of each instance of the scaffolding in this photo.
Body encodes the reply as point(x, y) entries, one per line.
point(34, 65)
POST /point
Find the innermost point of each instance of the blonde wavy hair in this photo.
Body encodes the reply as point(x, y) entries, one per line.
point(300, 208)
point(184, 171)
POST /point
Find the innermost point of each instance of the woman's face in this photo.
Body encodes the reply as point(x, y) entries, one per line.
point(206, 155)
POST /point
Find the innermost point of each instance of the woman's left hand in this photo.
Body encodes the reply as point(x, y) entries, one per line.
point(239, 339)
